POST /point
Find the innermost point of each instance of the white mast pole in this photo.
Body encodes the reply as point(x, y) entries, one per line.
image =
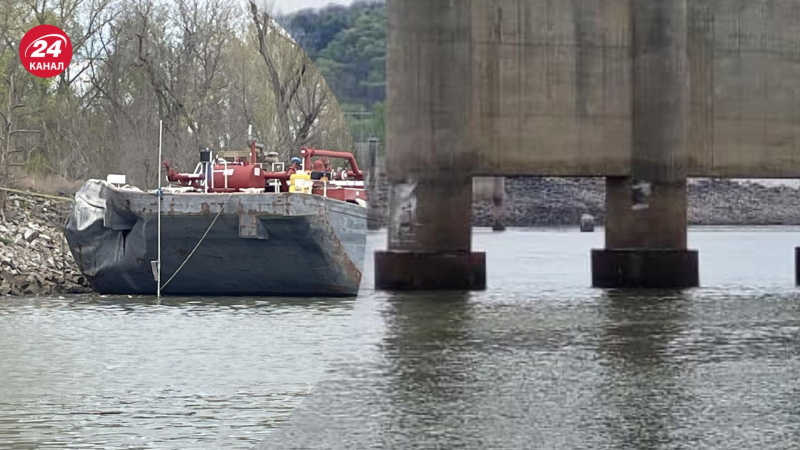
point(158, 276)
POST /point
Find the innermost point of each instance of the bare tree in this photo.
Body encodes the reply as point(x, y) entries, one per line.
point(300, 93)
point(8, 141)
point(195, 64)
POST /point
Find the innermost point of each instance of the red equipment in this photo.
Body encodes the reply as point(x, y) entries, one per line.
point(309, 153)
point(236, 176)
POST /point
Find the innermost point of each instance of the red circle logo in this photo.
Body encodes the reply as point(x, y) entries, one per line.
point(45, 51)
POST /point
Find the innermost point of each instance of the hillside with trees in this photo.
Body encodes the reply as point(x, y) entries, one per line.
point(348, 46)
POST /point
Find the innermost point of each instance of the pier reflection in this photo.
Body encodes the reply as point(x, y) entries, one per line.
point(641, 386)
point(540, 360)
point(432, 360)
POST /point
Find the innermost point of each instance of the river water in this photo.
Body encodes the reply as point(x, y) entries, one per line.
point(538, 360)
point(121, 373)
point(542, 361)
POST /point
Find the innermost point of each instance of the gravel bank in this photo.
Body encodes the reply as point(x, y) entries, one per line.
point(561, 201)
point(535, 201)
point(34, 256)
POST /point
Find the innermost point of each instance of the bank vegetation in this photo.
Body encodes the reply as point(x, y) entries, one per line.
point(206, 68)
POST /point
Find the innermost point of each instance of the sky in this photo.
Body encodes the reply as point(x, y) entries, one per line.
point(289, 6)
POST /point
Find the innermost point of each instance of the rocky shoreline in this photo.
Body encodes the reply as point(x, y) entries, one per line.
point(35, 258)
point(562, 201)
point(34, 255)
point(537, 201)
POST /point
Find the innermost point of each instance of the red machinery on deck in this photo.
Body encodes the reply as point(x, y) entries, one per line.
point(242, 174)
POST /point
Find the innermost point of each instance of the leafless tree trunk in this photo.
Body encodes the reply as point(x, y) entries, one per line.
point(300, 93)
point(7, 138)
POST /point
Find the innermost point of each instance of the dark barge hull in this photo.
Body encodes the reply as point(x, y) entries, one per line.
point(286, 244)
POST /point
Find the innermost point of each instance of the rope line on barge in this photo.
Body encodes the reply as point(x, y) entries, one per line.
point(221, 208)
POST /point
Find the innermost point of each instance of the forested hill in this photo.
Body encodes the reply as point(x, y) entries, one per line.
point(348, 46)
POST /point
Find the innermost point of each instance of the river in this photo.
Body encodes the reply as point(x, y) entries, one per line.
point(129, 373)
point(538, 360)
point(542, 361)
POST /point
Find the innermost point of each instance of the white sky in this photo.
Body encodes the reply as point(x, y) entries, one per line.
point(288, 6)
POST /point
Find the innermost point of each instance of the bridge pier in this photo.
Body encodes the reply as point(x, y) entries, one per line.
point(645, 242)
point(430, 238)
point(429, 75)
point(646, 212)
point(498, 198)
point(797, 265)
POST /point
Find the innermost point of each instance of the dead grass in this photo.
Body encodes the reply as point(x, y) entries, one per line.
point(52, 185)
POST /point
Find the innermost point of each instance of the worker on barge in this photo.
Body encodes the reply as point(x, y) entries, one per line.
point(296, 164)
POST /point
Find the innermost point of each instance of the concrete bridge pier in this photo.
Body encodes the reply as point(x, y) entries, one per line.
point(797, 265)
point(646, 212)
point(430, 238)
point(498, 198)
point(645, 242)
point(429, 123)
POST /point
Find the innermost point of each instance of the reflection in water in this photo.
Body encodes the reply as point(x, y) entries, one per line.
point(429, 353)
point(642, 385)
point(542, 361)
point(111, 372)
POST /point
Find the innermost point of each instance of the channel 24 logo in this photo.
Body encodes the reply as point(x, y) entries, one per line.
point(45, 51)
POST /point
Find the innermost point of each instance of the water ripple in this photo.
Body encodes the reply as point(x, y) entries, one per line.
point(114, 373)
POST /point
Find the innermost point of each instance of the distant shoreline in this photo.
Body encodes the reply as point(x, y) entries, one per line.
point(35, 261)
point(561, 201)
point(537, 202)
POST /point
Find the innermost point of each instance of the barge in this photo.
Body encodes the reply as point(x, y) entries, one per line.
point(234, 226)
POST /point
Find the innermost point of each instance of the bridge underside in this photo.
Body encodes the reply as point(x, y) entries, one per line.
point(644, 93)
